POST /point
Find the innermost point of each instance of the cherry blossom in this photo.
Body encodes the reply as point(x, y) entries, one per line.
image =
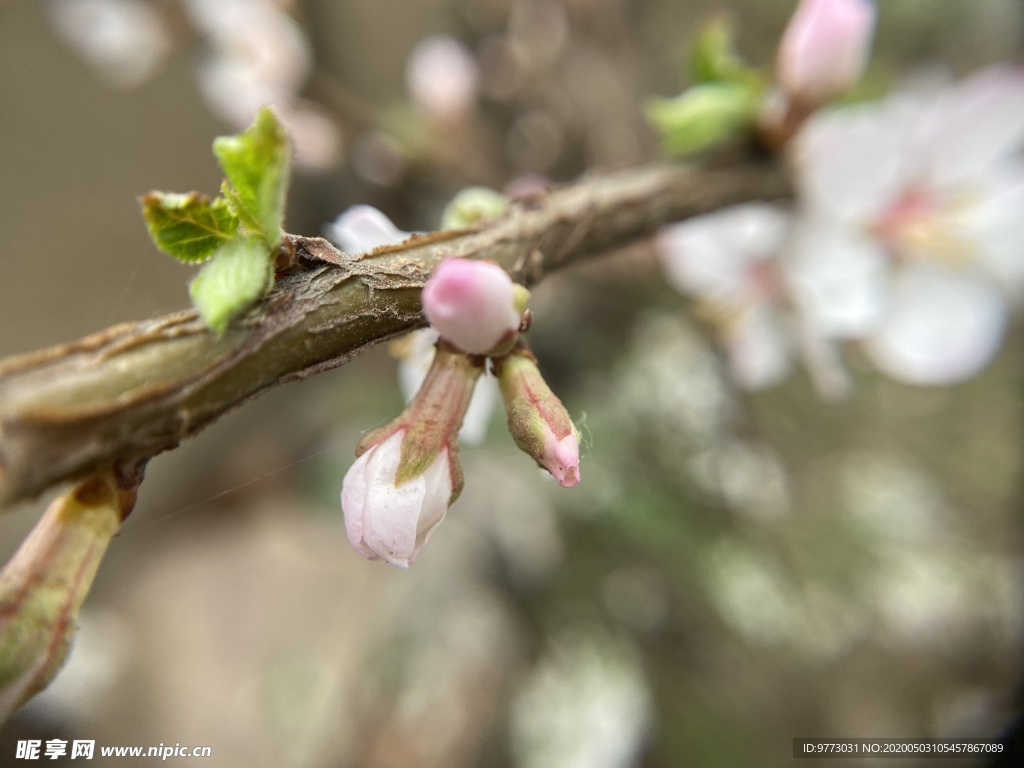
point(726, 260)
point(911, 236)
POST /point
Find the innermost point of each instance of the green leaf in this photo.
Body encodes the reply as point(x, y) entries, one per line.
point(247, 221)
point(239, 274)
point(256, 164)
point(188, 227)
point(703, 116)
point(714, 55)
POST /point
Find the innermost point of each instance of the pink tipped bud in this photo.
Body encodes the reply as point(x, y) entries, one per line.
point(537, 420)
point(407, 474)
point(472, 304)
point(824, 49)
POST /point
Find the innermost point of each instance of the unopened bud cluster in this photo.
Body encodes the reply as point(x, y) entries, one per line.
point(407, 474)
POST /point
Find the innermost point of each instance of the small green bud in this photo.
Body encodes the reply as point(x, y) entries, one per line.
point(471, 206)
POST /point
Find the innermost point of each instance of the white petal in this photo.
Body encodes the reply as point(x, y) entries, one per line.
point(759, 349)
point(391, 513)
point(943, 327)
point(415, 358)
point(981, 122)
point(437, 483)
point(997, 227)
point(838, 279)
point(353, 503)
point(711, 254)
point(758, 229)
point(362, 228)
point(850, 161)
point(481, 408)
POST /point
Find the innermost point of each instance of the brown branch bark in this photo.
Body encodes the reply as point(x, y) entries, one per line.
point(123, 395)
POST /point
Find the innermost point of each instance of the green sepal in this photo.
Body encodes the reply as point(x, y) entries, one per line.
point(239, 274)
point(188, 227)
point(703, 116)
point(714, 57)
point(256, 164)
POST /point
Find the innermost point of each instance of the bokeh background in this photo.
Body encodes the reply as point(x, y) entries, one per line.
point(734, 570)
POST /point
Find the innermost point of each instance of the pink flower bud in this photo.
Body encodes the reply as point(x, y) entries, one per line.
point(824, 49)
point(472, 304)
point(390, 520)
point(537, 420)
point(407, 474)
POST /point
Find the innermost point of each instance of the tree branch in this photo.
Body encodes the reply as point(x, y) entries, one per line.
point(123, 395)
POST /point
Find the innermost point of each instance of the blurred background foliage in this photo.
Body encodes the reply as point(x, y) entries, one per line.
point(734, 570)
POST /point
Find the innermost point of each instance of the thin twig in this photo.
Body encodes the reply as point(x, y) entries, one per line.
point(123, 395)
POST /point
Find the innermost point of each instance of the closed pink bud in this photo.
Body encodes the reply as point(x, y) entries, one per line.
point(389, 520)
point(824, 49)
point(472, 304)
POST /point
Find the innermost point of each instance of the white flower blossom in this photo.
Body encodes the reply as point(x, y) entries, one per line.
point(124, 41)
point(442, 77)
point(727, 261)
point(911, 235)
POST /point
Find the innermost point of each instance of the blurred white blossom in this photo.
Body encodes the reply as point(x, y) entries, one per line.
point(441, 77)
point(587, 706)
point(907, 236)
point(123, 40)
point(729, 261)
point(911, 233)
point(259, 55)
